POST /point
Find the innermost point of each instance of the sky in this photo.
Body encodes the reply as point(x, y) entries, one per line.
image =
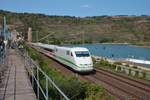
point(78, 7)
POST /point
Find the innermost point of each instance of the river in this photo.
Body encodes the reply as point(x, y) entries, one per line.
point(118, 51)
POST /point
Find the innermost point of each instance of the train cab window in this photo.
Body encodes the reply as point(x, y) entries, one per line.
point(67, 53)
point(82, 54)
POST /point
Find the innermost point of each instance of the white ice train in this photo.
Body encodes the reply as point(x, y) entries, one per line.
point(78, 58)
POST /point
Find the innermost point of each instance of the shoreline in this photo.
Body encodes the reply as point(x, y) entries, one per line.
point(139, 65)
point(112, 43)
point(135, 45)
point(140, 46)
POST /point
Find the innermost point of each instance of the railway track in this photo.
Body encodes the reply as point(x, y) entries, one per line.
point(122, 87)
point(136, 83)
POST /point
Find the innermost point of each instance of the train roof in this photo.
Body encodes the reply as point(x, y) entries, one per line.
point(73, 48)
point(61, 47)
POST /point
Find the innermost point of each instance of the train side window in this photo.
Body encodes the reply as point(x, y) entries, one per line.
point(56, 49)
point(67, 53)
point(53, 51)
point(71, 54)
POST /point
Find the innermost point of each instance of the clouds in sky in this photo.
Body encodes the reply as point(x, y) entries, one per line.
point(85, 6)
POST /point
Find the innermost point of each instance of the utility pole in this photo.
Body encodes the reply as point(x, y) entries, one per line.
point(4, 28)
point(37, 35)
point(82, 37)
point(29, 34)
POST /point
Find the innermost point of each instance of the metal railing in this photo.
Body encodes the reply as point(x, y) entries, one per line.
point(33, 71)
point(2, 56)
point(4, 68)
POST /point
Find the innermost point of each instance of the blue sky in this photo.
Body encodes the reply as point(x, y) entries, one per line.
point(78, 7)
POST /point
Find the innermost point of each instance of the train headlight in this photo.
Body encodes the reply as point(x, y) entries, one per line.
point(85, 65)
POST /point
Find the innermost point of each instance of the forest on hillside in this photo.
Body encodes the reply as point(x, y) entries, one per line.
point(71, 29)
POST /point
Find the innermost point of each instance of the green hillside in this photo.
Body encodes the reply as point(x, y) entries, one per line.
point(69, 29)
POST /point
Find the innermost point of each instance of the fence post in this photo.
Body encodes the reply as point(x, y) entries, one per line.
point(46, 88)
point(37, 73)
point(32, 70)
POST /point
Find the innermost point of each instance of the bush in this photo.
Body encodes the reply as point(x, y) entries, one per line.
point(119, 68)
point(135, 67)
point(113, 66)
point(136, 73)
point(104, 62)
point(96, 92)
point(144, 74)
point(104, 40)
point(130, 72)
point(118, 63)
point(94, 60)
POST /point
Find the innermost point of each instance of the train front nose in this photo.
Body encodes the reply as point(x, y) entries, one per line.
point(86, 67)
point(85, 64)
point(84, 61)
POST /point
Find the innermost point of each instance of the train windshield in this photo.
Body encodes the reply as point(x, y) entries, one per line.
point(82, 53)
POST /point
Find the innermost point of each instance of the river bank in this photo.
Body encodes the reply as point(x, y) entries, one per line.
point(143, 44)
